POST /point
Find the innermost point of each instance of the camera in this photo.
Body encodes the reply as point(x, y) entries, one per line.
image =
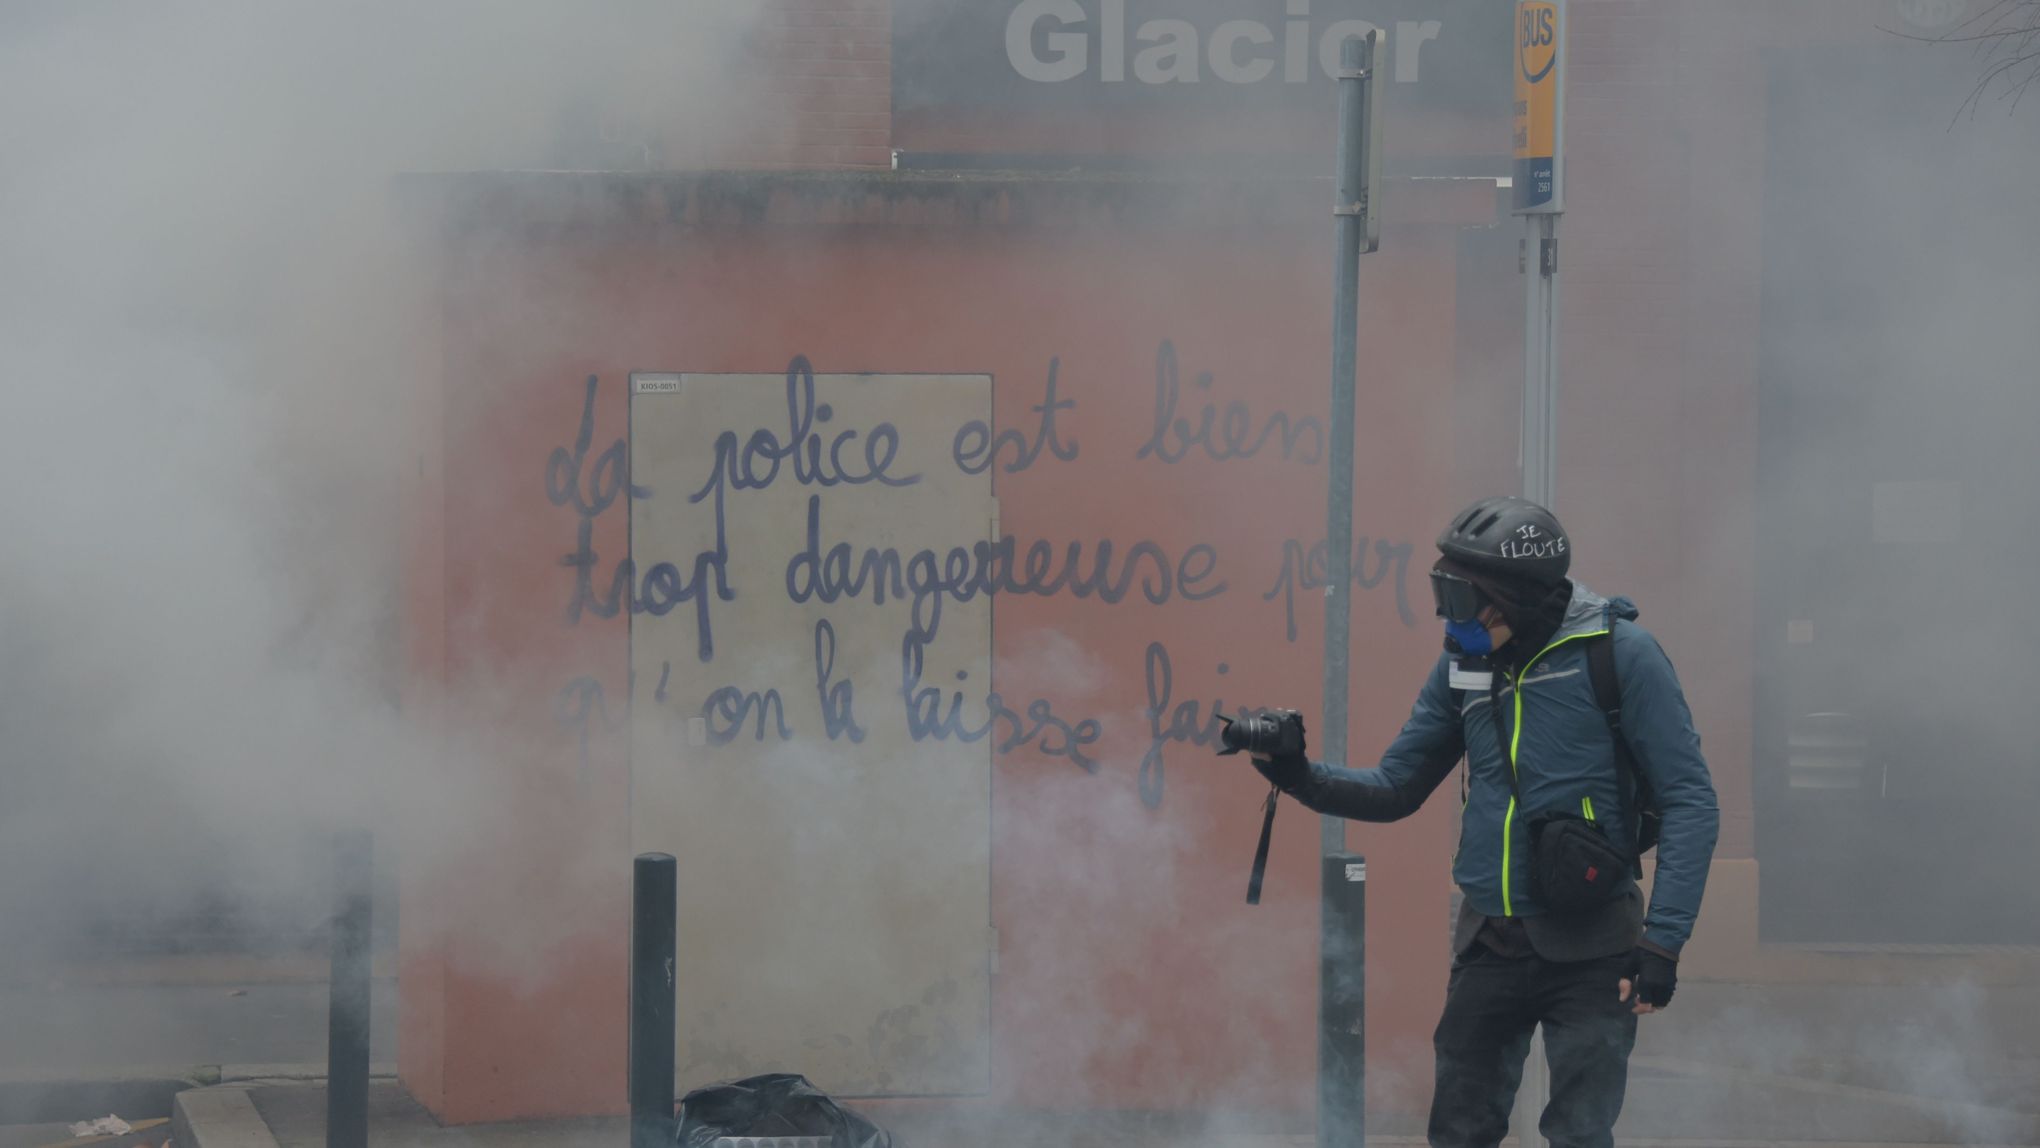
point(1272, 733)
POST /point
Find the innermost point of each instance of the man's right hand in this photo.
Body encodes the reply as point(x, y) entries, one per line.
point(1284, 773)
point(1652, 979)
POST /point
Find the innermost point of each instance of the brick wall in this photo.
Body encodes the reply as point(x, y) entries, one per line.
point(820, 87)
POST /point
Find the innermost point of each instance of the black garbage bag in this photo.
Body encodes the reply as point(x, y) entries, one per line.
point(775, 1104)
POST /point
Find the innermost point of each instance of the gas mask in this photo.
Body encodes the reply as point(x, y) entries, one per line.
point(1470, 638)
point(1460, 603)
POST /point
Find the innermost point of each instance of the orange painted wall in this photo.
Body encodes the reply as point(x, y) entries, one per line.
point(1131, 972)
point(514, 935)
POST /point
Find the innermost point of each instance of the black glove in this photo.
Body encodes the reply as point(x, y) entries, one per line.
point(1284, 773)
point(1652, 978)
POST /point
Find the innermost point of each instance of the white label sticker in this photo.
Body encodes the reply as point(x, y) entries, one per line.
point(1356, 871)
point(1471, 679)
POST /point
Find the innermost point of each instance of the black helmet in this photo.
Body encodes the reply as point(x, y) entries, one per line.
point(1509, 538)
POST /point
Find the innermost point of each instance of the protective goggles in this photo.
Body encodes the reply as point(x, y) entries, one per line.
point(1458, 599)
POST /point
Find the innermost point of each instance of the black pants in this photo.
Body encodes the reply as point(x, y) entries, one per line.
point(1491, 1005)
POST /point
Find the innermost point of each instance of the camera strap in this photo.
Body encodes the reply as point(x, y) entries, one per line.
point(1502, 736)
point(1261, 850)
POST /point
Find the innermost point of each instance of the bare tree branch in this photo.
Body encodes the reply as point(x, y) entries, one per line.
point(2006, 38)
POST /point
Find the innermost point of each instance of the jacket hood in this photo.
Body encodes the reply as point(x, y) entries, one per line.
point(1588, 612)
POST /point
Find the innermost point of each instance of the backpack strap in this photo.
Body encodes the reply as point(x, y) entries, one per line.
point(1608, 696)
point(1501, 740)
point(1465, 757)
point(1502, 737)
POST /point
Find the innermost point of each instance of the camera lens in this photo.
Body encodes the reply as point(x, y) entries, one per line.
point(1253, 735)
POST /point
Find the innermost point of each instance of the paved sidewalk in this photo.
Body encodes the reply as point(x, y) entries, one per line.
point(1948, 1063)
point(1715, 1113)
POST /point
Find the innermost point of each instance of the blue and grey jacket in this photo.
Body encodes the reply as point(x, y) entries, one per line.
point(1563, 753)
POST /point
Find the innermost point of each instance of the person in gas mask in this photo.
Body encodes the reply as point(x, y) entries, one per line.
point(1580, 754)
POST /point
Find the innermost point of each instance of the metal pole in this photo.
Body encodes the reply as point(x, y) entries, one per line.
point(1540, 438)
point(347, 1009)
point(1540, 448)
point(1540, 196)
point(1342, 1005)
point(1540, 360)
point(654, 897)
point(1345, 355)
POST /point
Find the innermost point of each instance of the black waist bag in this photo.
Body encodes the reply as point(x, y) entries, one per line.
point(1574, 865)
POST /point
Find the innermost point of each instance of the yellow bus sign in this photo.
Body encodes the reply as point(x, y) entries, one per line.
point(1540, 106)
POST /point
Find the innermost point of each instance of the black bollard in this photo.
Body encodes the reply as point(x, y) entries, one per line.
point(654, 893)
point(1342, 1005)
point(347, 1013)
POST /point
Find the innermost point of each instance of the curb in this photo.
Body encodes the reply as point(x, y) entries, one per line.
point(145, 1093)
point(306, 1073)
point(142, 1095)
point(219, 1118)
point(209, 971)
point(222, 1115)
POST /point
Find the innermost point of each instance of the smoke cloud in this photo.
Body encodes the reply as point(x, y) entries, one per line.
point(211, 316)
point(212, 320)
